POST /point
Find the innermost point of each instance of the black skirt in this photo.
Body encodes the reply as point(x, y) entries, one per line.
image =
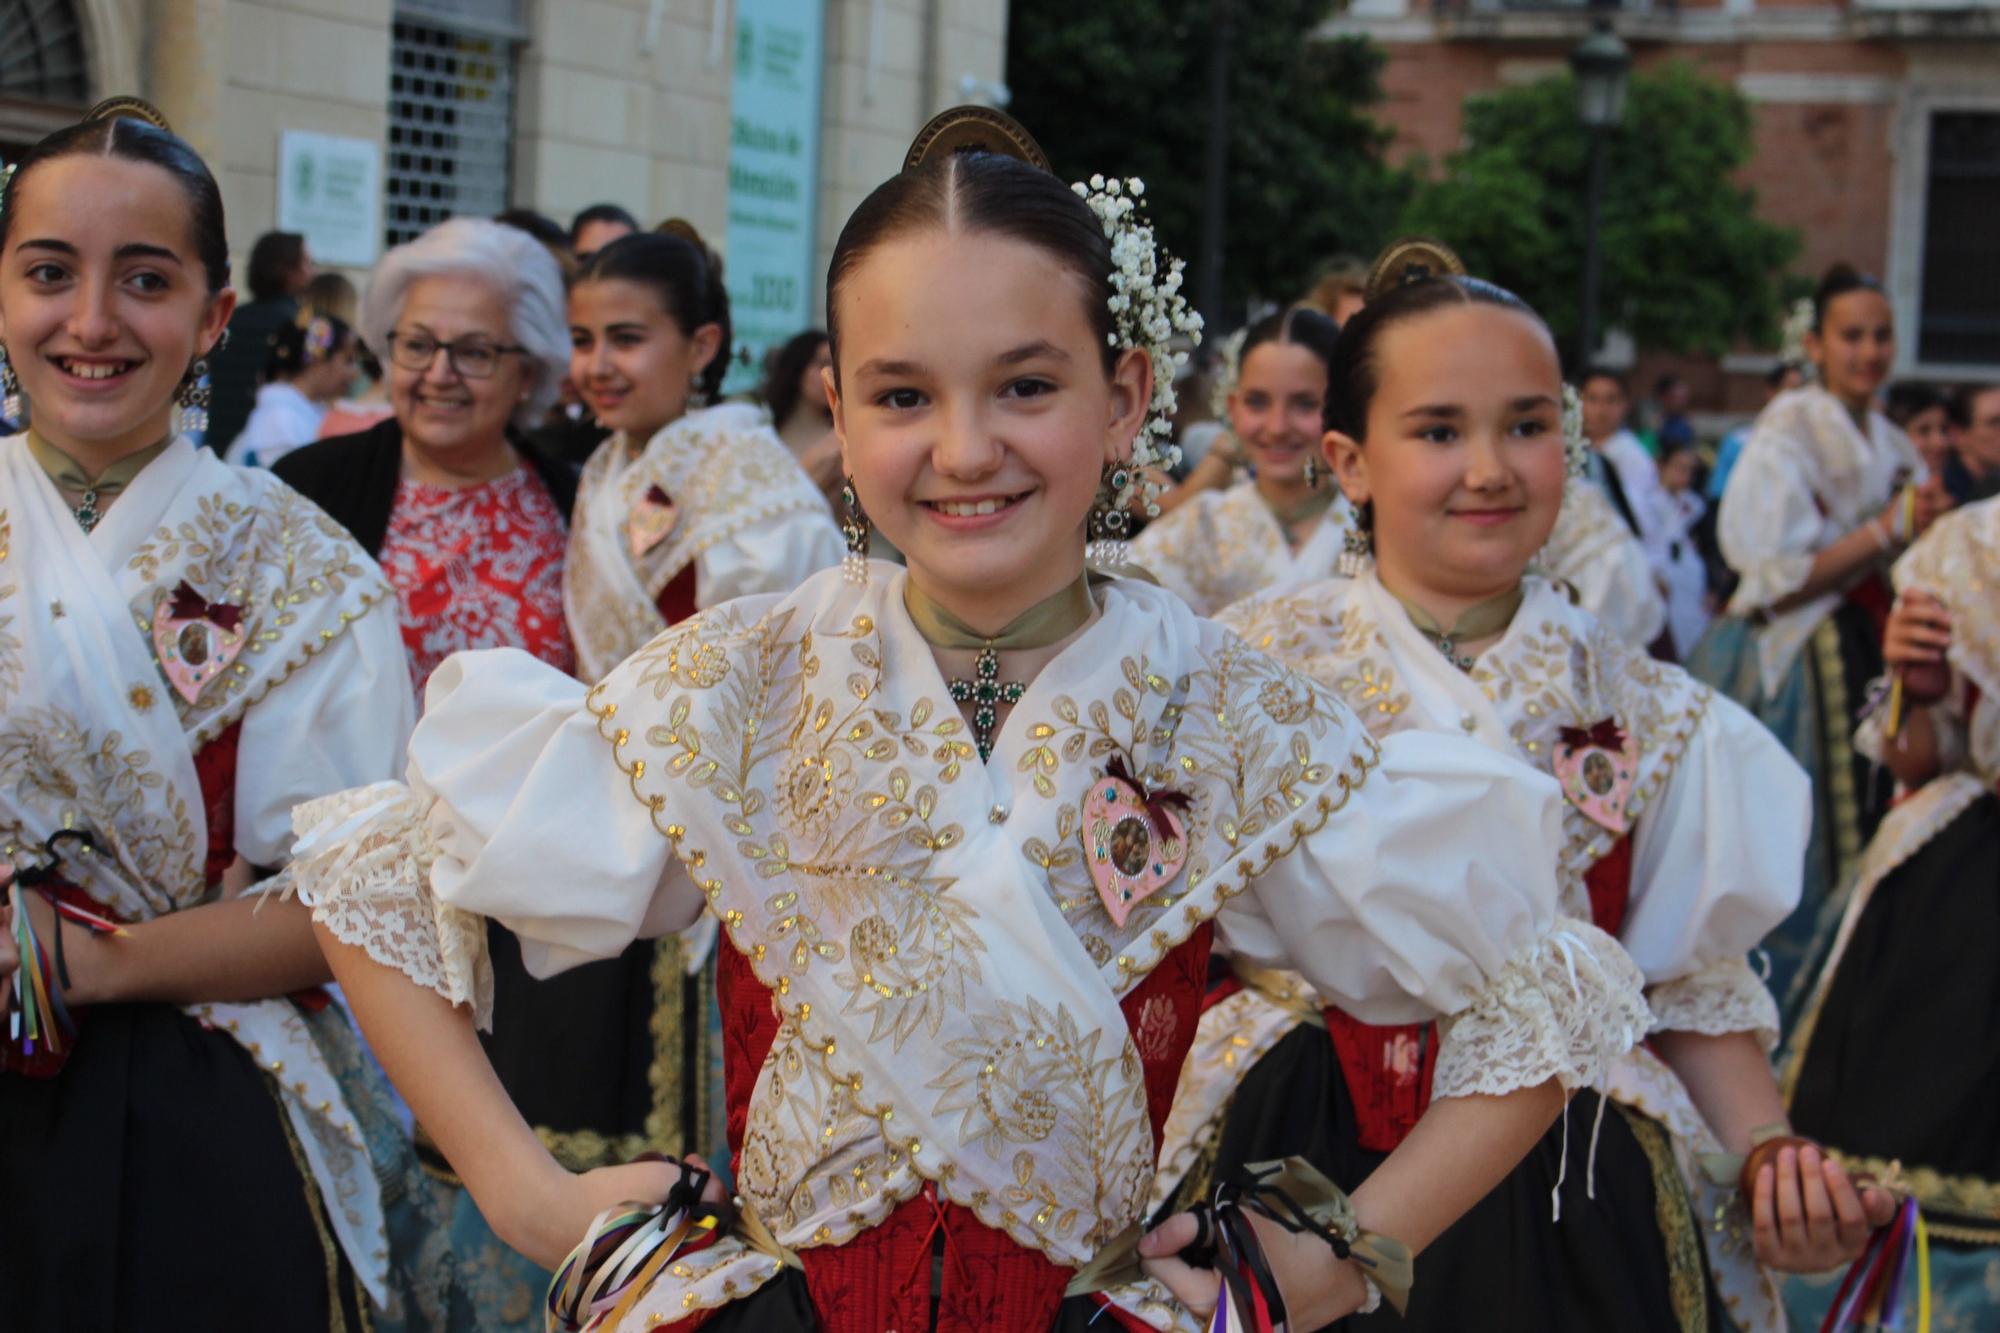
point(154, 1184)
point(576, 1051)
point(1609, 1263)
point(1904, 1058)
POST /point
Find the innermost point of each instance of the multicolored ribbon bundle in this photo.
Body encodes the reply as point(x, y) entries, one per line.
point(1873, 1294)
point(40, 1026)
point(1298, 1198)
point(624, 1250)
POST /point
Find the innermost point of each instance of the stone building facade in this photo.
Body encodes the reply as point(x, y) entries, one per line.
point(559, 103)
point(1877, 135)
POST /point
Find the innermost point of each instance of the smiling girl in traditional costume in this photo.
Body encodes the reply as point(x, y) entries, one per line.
point(955, 1015)
point(1445, 427)
point(187, 650)
point(1284, 524)
point(1827, 492)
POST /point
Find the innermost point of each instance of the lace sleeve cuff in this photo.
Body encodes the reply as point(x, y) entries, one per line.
point(363, 864)
point(1724, 996)
point(1563, 1008)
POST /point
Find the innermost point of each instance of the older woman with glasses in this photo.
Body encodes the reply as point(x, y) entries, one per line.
point(467, 518)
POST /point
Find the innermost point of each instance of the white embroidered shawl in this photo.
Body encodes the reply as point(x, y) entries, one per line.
point(946, 976)
point(95, 738)
point(1223, 546)
point(748, 518)
point(1807, 477)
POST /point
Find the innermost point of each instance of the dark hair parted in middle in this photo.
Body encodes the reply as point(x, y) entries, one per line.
point(133, 140)
point(982, 192)
point(687, 277)
point(1835, 283)
point(1354, 375)
point(1300, 326)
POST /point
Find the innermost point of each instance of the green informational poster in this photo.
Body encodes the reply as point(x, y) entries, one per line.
point(774, 115)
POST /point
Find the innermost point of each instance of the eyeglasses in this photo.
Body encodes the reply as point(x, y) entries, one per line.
point(474, 358)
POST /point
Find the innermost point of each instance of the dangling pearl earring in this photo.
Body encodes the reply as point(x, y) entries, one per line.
point(854, 529)
point(1357, 547)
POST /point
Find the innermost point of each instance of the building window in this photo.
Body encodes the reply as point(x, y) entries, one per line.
point(1959, 323)
point(41, 52)
point(451, 112)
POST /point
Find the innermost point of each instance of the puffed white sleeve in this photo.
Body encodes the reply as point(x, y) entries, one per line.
point(513, 811)
point(1718, 860)
point(776, 554)
point(341, 720)
point(1431, 894)
point(1769, 526)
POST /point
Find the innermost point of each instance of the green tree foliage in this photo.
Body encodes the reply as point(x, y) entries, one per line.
point(1688, 266)
point(1122, 89)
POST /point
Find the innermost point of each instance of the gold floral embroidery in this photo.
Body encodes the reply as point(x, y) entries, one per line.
point(71, 777)
point(840, 889)
point(1027, 1073)
point(284, 562)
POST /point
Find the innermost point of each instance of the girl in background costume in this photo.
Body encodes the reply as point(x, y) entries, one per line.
point(968, 831)
point(1285, 522)
point(1445, 429)
point(1898, 1056)
point(1808, 523)
point(188, 1134)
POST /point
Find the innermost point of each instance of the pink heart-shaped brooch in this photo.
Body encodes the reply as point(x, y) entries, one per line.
point(195, 639)
point(1133, 839)
point(651, 519)
point(1597, 767)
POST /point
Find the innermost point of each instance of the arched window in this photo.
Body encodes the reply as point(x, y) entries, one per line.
point(41, 52)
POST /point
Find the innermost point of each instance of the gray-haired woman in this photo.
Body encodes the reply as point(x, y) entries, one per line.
point(468, 520)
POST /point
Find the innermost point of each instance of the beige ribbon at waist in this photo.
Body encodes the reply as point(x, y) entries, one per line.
point(1387, 1261)
point(1283, 989)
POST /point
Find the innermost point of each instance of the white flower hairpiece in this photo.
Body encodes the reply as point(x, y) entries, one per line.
point(1231, 351)
point(1576, 448)
point(1798, 323)
point(1147, 311)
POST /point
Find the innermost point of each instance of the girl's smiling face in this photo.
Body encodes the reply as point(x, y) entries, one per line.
point(104, 303)
point(1276, 407)
point(629, 360)
point(1463, 460)
point(1855, 345)
point(975, 415)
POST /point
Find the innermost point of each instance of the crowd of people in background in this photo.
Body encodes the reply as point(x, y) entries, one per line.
point(1495, 733)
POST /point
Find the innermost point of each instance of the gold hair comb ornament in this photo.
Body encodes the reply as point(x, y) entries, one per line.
point(1412, 259)
point(975, 129)
point(127, 108)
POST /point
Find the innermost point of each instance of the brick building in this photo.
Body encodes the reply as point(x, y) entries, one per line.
point(1877, 133)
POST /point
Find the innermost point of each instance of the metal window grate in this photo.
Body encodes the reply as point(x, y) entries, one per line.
point(41, 51)
point(451, 125)
point(1960, 319)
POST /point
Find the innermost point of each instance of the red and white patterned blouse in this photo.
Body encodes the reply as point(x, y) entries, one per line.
point(478, 567)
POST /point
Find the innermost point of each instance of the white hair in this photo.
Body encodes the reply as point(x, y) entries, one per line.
point(514, 264)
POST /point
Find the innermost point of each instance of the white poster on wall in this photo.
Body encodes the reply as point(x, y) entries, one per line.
point(330, 191)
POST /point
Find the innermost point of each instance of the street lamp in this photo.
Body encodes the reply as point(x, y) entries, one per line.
point(1600, 63)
